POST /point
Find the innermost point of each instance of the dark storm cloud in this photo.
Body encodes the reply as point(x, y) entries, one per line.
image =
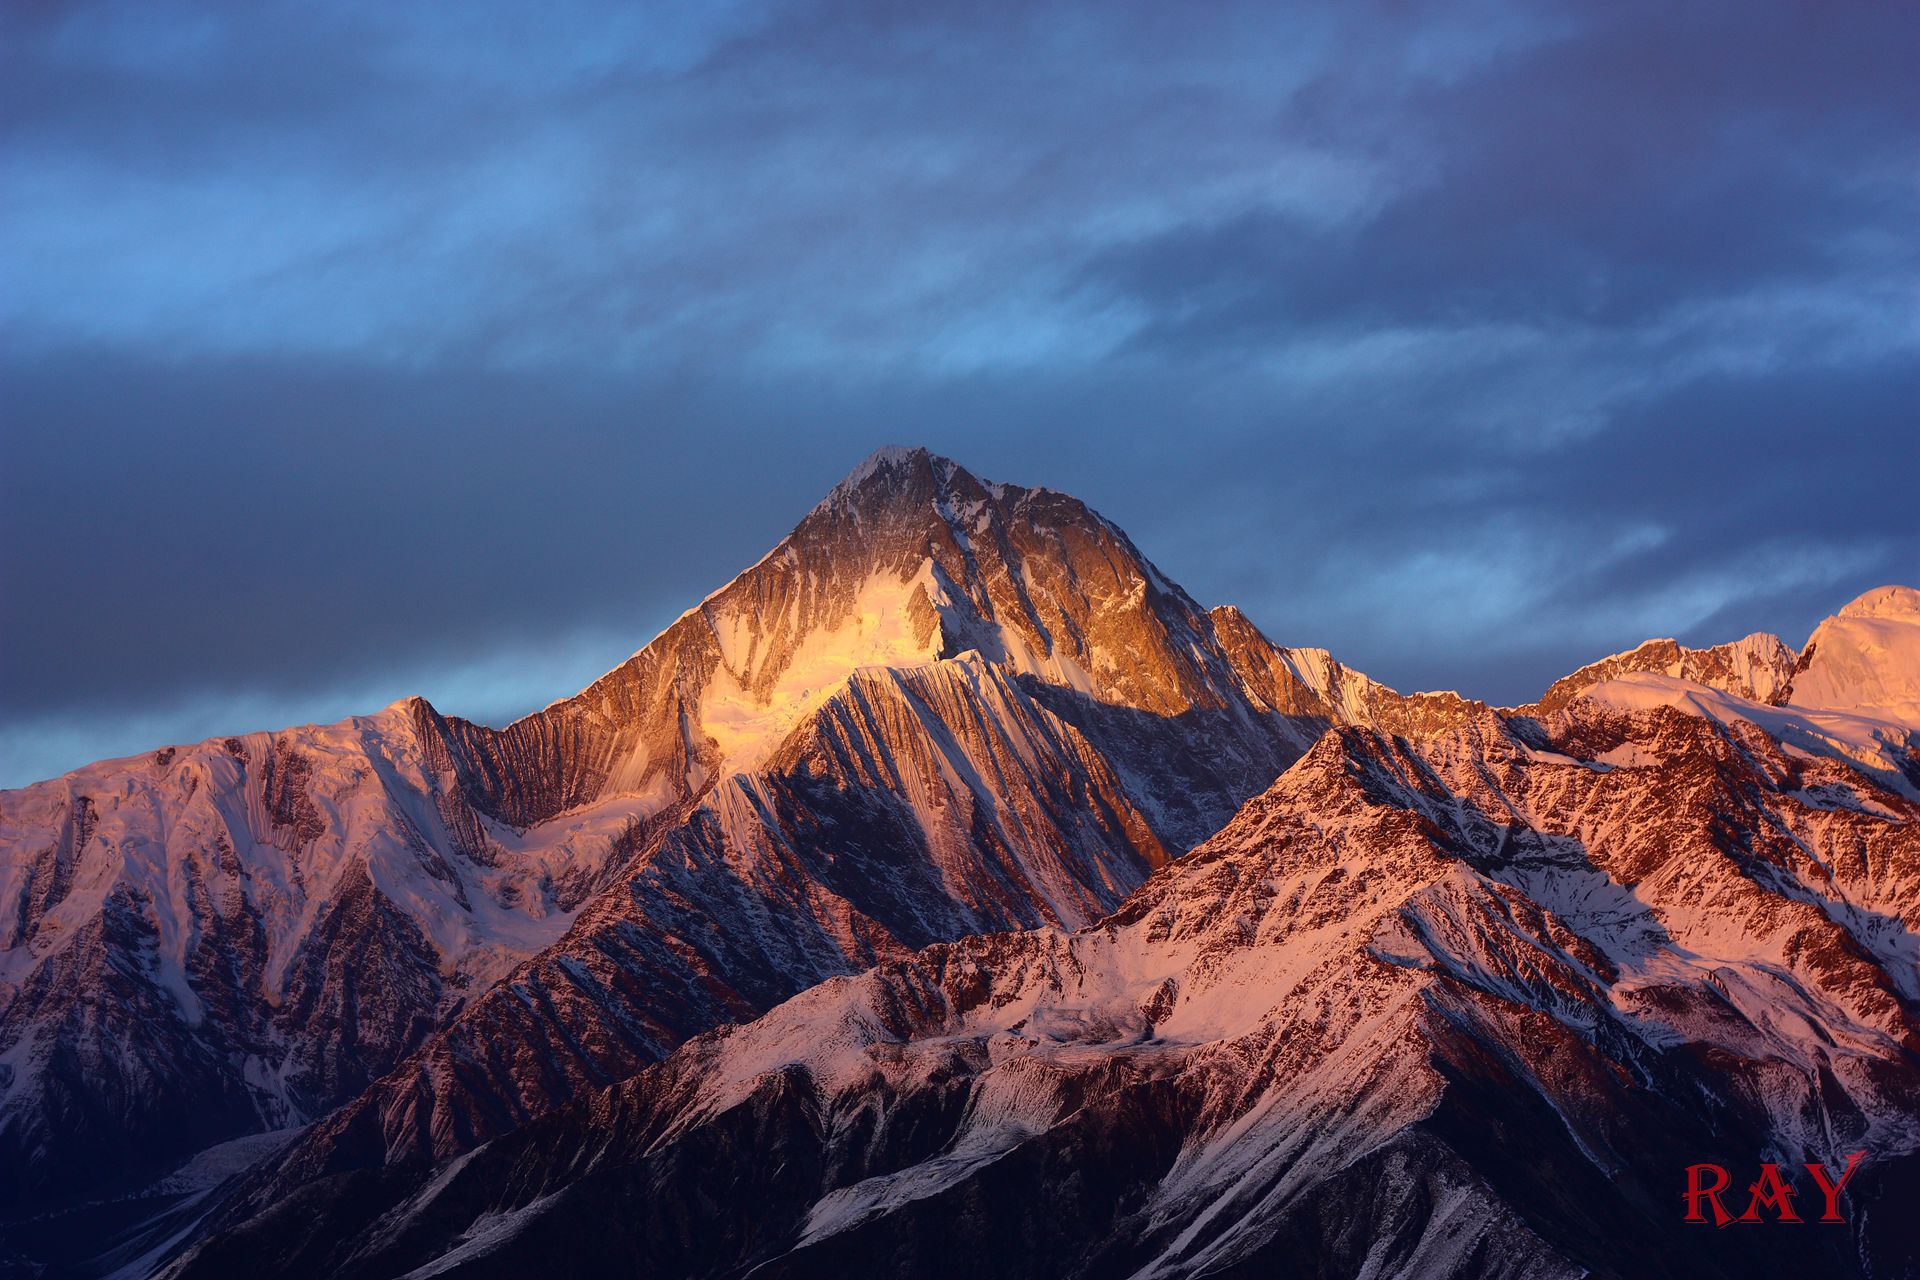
point(354, 350)
point(1602, 177)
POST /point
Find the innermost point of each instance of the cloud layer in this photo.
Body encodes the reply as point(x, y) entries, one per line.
point(352, 351)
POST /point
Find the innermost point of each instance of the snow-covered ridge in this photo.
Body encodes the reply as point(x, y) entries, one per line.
point(309, 805)
point(1884, 602)
point(1884, 746)
point(1866, 657)
point(241, 933)
point(1758, 667)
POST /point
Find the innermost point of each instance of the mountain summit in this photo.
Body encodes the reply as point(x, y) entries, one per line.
point(908, 560)
point(1865, 657)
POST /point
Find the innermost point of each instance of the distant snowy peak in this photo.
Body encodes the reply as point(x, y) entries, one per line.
point(1758, 668)
point(1884, 602)
point(1852, 695)
point(1866, 657)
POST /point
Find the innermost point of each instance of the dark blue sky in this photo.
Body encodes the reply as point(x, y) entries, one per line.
point(349, 351)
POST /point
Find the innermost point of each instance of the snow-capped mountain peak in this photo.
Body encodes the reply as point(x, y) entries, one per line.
point(1884, 602)
point(1866, 657)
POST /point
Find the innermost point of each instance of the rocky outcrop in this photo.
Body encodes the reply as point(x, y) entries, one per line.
point(1312, 684)
point(1759, 668)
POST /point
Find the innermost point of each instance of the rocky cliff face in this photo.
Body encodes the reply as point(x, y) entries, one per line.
point(1460, 1007)
point(240, 935)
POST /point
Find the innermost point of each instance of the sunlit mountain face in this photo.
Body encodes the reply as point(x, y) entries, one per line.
point(950, 892)
point(1367, 726)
